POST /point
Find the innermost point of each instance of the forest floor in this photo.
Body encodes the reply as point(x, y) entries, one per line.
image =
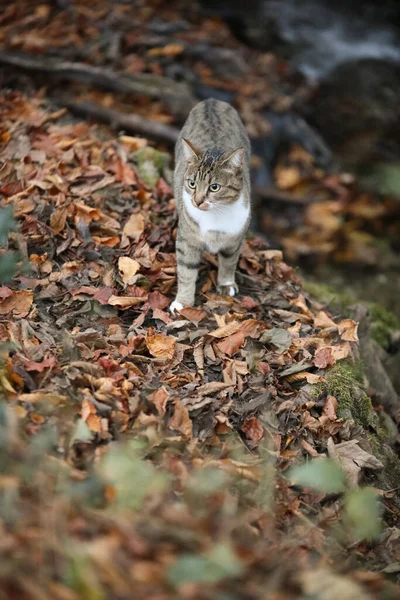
point(150, 456)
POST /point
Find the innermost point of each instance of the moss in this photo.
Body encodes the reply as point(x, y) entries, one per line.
point(383, 324)
point(343, 381)
point(151, 164)
point(329, 296)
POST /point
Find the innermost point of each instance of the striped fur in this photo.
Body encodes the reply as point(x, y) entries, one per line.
point(213, 148)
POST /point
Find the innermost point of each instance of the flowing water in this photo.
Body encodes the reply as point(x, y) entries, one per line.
point(324, 34)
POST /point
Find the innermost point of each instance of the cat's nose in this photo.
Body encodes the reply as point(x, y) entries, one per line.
point(198, 199)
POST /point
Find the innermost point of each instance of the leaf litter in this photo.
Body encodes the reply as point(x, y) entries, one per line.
point(115, 411)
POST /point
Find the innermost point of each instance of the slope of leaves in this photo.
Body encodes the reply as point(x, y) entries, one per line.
point(145, 456)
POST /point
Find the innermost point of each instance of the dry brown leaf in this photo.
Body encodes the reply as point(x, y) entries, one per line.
point(253, 429)
point(128, 267)
point(323, 321)
point(124, 302)
point(323, 358)
point(58, 219)
point(348, 330)
point(226, 330)
point(181, 420)
point(160, 398)
point(198, 355)
point(160, 345)
point(330, 407)
point(18, 303)
point(352, 459)
point(341, 351)
point(193, 314)
point(250, 327)
point(134, 227)
point(211, 388)
point(133, 143)
point(287, 177)
point(231, 344)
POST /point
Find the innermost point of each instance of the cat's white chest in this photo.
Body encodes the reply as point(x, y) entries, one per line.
point(224, 219)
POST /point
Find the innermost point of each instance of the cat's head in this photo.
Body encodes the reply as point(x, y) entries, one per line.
point(213, 178)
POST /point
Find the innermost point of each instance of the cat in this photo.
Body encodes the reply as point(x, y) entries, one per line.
point(212, 192)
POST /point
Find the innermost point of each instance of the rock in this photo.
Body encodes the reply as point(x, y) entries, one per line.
point(357, 108)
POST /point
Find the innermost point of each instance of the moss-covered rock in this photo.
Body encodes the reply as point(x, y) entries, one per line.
point(383, 324)
point(344, 382)
point(151, 164)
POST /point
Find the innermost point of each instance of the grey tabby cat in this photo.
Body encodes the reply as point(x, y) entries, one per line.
point(212, 192)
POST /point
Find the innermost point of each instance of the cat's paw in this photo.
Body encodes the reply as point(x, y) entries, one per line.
point(228, 289)
point(175, 307)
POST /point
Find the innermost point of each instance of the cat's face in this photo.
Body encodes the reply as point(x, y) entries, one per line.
point(213, 178)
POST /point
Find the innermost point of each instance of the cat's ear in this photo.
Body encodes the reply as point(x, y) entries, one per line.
point(190, 150)
point(234, 159)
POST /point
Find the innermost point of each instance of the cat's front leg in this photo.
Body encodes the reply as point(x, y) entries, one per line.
point(188, 259)
point(227, 262)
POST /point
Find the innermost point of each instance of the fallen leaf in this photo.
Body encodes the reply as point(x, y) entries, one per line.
point(39, 367)
point(323, 358)
point(181, 420)
point(128, 267)
point(253, 429)
point(134, 227)
point(58, 219)
point(330, 407)
point(226, 330)
point(249, 303)
point(160, 398)
point(18, 303)
point(211, 388)
point(160, 345)
point(280, 338)
point(352, 459)
point(323, 321)
point(231, 344)
point(193, 314)
point(348, 330)
point(123, 302)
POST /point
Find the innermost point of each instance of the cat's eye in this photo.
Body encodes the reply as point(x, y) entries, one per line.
point(191, 183)
point(214, 187)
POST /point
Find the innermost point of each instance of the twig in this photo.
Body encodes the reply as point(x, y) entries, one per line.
point(269, 193)
point(177, 95)
point(131, 123)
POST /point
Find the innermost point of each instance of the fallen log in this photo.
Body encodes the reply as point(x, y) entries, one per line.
point(176, 95)
point(131, 123)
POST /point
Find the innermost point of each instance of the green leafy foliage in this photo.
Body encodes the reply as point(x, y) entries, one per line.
point(220, 563)
point(321, 474)
point(132, 477)
point(363, 512)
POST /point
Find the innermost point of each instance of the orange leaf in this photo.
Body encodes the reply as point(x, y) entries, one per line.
point(18, 303)
point(160, 345)
point(231, 344)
